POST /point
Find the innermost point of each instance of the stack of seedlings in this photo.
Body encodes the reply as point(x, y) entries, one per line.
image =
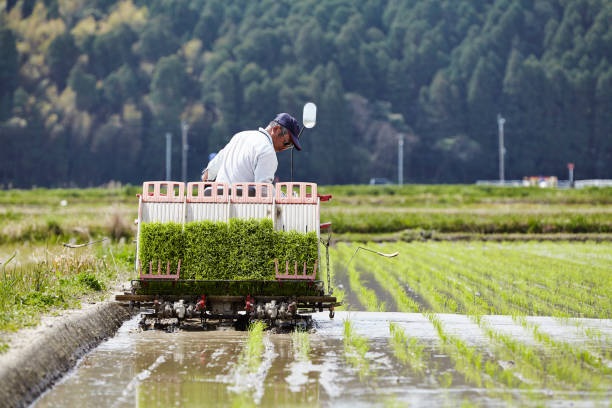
point(237, 250)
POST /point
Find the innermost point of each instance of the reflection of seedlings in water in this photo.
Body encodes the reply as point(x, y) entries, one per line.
point(355, 349)
point(524, 366)
point(468, 361)
point(406, 349)
point(253, 364)
point(243, 400)
point(301, 345)
point(446, 379)
point(578, 368)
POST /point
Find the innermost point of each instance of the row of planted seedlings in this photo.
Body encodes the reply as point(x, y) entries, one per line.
point(468, 360)
point(345, 263)
point(407, 349)
point(355, 346)
point(558, 284)
point(444, 287)
point(546, 297)
point(557, 287)
point(577, 367)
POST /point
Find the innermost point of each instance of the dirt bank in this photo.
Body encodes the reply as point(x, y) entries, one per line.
point(40, 356)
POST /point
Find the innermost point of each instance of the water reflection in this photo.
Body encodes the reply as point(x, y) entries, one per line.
point(194, 369)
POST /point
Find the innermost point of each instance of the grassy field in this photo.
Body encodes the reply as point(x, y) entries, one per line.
point(466, 211)
point(356, 212)
point(38, 274)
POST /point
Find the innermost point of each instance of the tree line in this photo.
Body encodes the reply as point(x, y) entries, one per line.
point(90, 88)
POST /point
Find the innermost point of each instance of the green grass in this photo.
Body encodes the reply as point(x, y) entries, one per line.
point(38, 215)
point(40, 279)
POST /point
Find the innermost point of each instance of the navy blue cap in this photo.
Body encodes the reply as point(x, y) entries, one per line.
point(288, 122)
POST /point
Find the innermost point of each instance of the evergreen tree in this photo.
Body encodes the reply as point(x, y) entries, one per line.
point(9, 68)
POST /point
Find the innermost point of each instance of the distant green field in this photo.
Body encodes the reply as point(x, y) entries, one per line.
point(416, 211)
point(357, 212)
point(60, 215)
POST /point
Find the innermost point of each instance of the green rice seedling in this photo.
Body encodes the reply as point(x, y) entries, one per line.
point(243, 400)
point(406, 349)
point(238, 250)
point(445, 379)
point(355, 349)
point(546, 367)
point(161, 243)
point(465, 277)
point(206, 252)
point(468, 361)
point(366, 296)
point(301, 345)
point(526, 369)
point(576, 367)
point(387, 281)
point(251, 249)
point(294, 246)
point(251, 355)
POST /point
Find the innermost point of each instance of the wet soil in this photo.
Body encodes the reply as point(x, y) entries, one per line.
point(39, 356)
point(193, 368)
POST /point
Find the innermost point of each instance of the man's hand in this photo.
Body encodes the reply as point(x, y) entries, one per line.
point(205, 175)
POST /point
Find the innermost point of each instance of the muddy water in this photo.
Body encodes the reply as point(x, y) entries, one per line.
point(193, 369)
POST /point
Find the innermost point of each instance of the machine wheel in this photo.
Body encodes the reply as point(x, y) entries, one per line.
point(242, 322)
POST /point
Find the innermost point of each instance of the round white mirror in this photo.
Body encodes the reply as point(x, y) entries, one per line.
point(309, 118)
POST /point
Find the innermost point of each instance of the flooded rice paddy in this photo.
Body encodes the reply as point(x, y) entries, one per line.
point(204, 368)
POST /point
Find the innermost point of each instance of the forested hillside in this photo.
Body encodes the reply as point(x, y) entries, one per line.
point(89, 88)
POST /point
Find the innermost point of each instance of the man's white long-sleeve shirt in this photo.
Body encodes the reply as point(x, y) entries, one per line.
point(248, 157)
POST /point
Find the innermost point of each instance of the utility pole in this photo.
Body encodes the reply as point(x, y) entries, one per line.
point(502, 149)
point(570, 167)
point(168, 156)
point(185, 130)
point(400, 160)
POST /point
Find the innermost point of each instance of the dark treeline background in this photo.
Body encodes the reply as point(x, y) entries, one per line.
point(89, 88)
